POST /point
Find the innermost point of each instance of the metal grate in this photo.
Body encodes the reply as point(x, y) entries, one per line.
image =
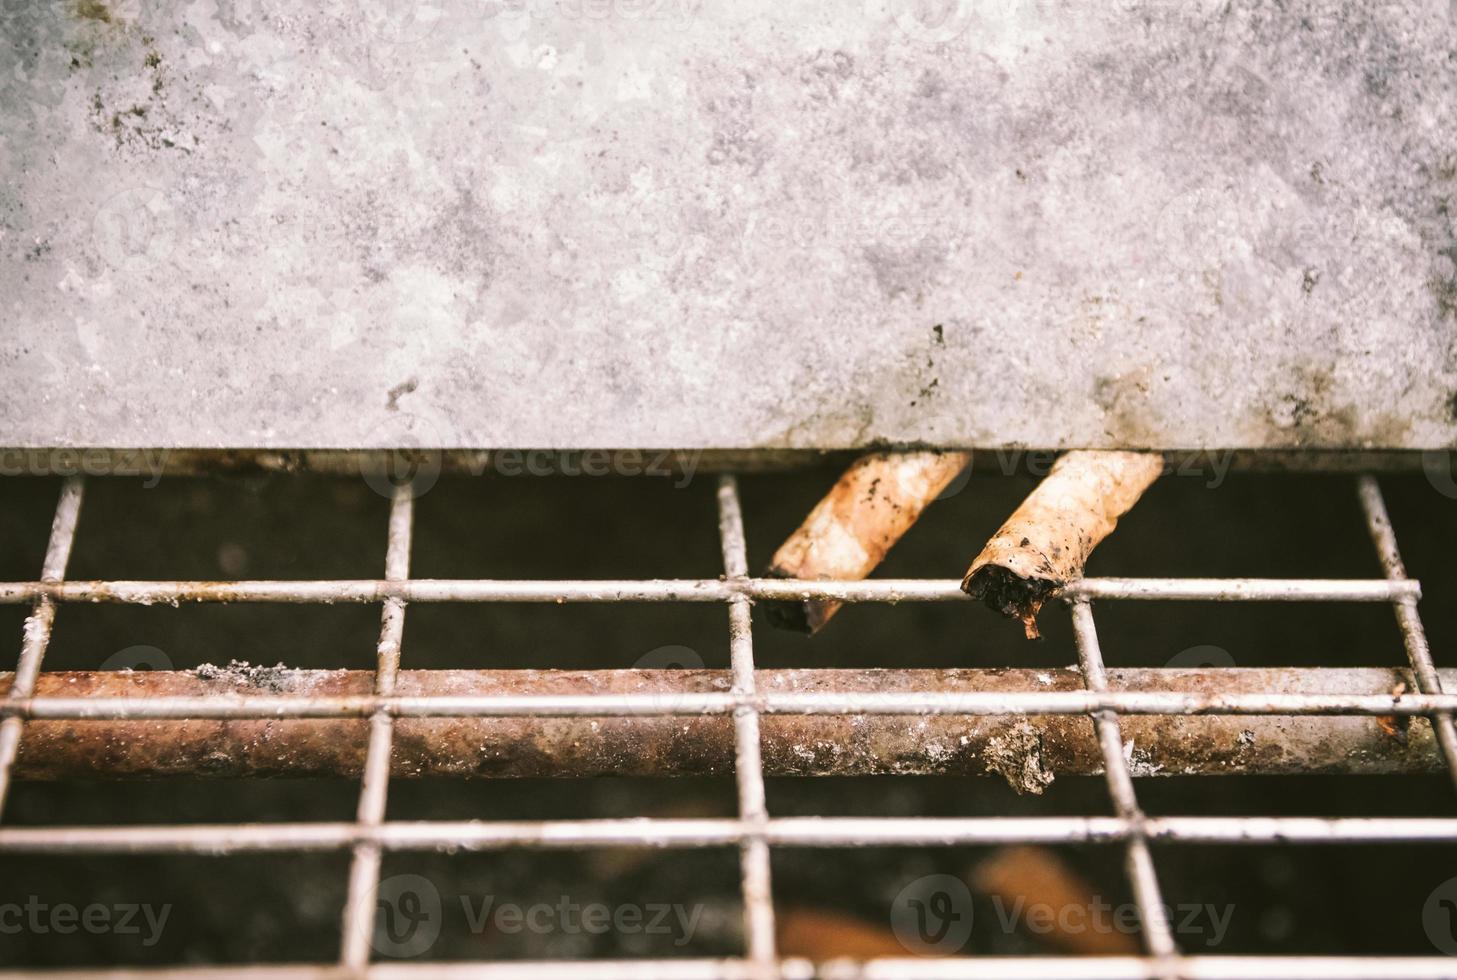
point(754, 832)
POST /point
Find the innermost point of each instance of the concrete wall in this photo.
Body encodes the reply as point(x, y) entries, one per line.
point(697, 223)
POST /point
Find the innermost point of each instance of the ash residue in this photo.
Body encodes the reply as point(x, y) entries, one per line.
point(1140, 761)
point(1006, 592)
point(240, 673)
point(1017, 755)
point(792, 615)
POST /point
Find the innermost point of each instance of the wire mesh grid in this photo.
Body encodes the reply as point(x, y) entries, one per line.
point(754, 832)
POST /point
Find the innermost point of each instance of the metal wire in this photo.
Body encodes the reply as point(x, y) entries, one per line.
point(37, 633)
point(753, 832)
point(1413, 636)
point(748, 764)
point(1157, 933)
point(449, 836)
point(359, 908)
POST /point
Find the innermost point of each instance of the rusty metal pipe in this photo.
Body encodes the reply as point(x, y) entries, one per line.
point(1024, 749)
point(328, 591)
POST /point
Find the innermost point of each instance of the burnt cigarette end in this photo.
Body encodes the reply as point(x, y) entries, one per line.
point(798, 617)
point(1003, 590)
point(1046, 542)
point(848, 533)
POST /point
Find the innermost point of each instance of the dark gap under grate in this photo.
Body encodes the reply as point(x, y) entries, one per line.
point(846, 844)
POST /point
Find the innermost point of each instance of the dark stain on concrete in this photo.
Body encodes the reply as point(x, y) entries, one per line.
point(93, 10)
point(399, 391)
point(1124, 401)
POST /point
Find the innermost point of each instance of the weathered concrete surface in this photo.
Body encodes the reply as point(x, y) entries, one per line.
point(747, 224)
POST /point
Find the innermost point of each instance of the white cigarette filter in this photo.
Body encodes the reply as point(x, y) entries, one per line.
point(848, 533)
point(1047, 540)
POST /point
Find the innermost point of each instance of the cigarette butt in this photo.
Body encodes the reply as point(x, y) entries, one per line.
point(851, 529)
point(1023, 877)
point(1047, 540)
point(822, 934)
